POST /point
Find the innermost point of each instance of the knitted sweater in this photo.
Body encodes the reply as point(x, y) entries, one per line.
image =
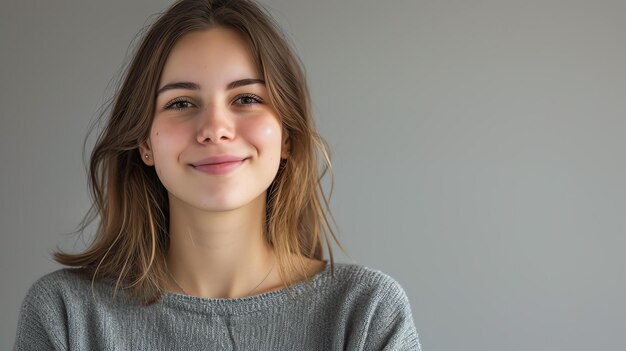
point(359, 309)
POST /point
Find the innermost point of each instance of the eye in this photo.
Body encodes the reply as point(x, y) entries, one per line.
point(178, 104)
point(248, 99)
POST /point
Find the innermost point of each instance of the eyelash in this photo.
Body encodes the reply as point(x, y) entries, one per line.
point(257, 99)
point(170, 105)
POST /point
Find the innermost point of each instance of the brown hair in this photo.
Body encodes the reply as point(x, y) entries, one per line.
point(132, 235)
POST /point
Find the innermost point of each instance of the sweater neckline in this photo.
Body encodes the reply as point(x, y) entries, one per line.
point(248, 303)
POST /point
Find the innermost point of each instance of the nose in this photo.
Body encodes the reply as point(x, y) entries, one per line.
point(215, 125)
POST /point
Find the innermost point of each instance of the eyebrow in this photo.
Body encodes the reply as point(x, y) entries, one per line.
point(195, 86)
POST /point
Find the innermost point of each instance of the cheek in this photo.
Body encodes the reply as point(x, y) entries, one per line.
point(165, 143)
point(166, 140)
point(265, 134)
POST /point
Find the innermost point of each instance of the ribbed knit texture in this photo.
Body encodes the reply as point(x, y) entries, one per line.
point(359, 309)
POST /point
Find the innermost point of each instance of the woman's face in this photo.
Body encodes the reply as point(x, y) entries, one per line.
point(212, 106)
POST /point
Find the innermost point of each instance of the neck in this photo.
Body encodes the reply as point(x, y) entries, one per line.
point(219, 254)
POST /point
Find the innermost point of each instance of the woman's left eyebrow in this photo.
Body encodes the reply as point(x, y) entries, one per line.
point(242, 82)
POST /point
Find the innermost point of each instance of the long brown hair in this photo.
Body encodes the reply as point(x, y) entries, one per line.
point(132, 204)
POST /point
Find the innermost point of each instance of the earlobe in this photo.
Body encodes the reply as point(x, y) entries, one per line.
point(146, 154)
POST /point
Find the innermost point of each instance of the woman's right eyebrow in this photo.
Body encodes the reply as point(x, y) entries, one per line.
point(178, 85)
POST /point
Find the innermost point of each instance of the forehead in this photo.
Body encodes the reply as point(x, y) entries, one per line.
point(212, 56)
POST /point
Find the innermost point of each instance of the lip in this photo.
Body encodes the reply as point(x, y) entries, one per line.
point(219, 164)
point(217, 159)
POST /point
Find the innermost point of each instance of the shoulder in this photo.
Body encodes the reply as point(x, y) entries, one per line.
point(67, 288)
point(43, 313)
point(50, 294)
point(50, 284)
point(375, 305)
point(59, 277)
point(367, 290)
point(56, 284)
point(363, 279)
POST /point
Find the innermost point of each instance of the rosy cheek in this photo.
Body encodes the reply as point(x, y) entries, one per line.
point(270, 135)
point(267, 131)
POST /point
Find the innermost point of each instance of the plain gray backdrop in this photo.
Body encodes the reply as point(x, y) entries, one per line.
point(478, 149)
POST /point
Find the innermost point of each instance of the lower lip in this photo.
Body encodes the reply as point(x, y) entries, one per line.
point(219, 168)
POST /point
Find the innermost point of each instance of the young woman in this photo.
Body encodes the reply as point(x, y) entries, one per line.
point(206, 184)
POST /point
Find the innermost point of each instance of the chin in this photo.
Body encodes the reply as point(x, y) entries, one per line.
point(224, 204)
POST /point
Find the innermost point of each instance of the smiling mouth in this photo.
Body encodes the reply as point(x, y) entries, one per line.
point(219, 168)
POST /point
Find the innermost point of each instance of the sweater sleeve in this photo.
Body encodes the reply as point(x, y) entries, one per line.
point(392, 326)
point(39, 325)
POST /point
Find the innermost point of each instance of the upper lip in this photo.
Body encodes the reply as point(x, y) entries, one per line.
point(217, 159)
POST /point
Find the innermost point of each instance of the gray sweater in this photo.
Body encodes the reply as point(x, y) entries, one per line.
point(359, 309)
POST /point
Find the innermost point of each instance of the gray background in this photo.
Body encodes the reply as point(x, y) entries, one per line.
point(478, 148)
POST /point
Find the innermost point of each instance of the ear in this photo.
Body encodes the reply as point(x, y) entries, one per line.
point(286, 144)
point(145, 152)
